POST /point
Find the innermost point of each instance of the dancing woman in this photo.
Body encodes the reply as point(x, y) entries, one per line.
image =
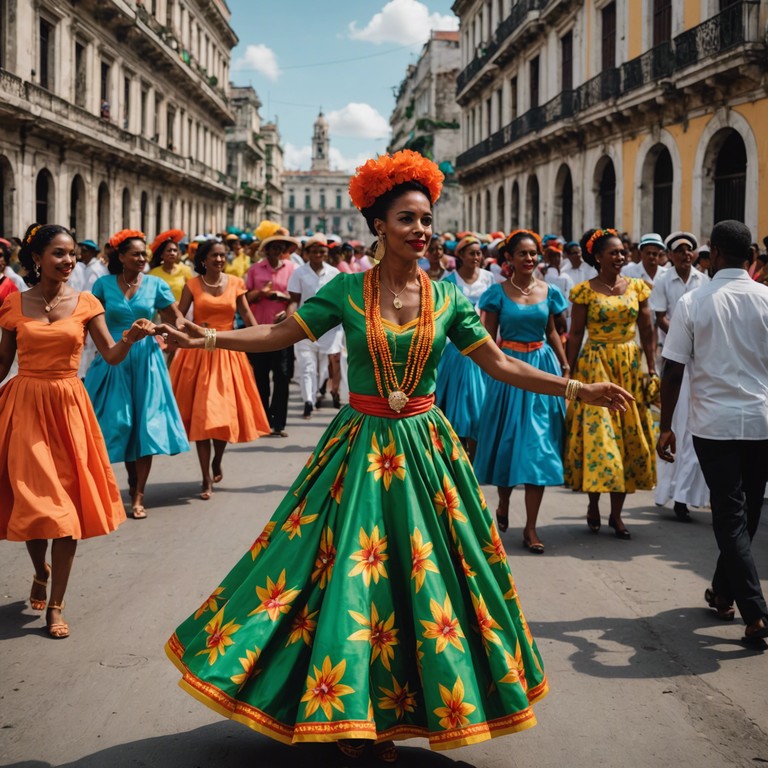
point(165, 261)
point(378, 603)
point(520, 433)
point(217, 393)
point(610, 452)
point(134, 401)
point(55, 479)
point(460, 388)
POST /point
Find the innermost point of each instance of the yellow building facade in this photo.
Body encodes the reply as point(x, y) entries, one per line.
point(647, 115)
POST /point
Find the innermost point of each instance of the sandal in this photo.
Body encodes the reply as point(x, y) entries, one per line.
point(756, 633)
point(537, 548)
point(619, 533)
point(35, 603)
point(386, 751)
point(57, 630)
point(353, 748)
point(138, 512)
point(725, 611)
point(593, 522)
point(218, 475)
point(502, 522)
point(206, 494)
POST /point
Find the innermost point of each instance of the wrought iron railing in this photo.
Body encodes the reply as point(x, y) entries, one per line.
point(653, 65)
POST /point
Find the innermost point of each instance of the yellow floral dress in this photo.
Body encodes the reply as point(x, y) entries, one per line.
point(378, 601)
point(607, 451)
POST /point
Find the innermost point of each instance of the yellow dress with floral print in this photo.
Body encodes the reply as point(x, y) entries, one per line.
point(378, 602)
point(607, 451)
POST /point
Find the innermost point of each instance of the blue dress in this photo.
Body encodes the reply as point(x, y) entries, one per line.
point(460, 388)
point(134, 402)
point(521, 434)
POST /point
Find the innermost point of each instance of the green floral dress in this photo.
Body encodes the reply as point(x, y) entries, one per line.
point(604, 450)
point(378, 602)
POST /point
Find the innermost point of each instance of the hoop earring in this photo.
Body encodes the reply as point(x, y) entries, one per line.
point(381, 249)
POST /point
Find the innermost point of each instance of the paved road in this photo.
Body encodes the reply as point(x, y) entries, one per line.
point(641, 673)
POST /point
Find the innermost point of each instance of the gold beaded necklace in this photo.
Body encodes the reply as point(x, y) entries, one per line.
point(397, 393)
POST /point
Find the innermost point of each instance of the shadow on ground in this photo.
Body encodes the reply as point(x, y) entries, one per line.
point(228, 745)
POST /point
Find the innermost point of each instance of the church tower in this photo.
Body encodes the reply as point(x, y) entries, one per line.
point(321, 144)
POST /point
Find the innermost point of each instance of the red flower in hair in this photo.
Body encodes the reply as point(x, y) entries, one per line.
point(375, 177)
point(171, 234)
point(125, 234)
point(596, 235)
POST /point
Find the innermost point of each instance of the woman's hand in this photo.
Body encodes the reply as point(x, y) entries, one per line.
point(189, 336)
point(610, 396)
point(138, 331)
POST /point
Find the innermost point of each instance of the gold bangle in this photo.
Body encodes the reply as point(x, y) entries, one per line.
point(210, 339)
point(572, 389)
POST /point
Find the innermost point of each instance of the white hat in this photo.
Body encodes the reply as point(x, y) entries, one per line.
point(678, 238)
point(292, 242)
point(317, 239)
point(651, 238)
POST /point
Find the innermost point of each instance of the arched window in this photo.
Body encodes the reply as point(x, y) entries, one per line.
point(532, 204)
point(488, 211)
point(103, 205)
point(126, 208)
point(514, 207)
point(564, 202)
point(500, 208)
point(44, 197)
point(6, 196)
point(158, 214)
point(606, 192)
point(77, 207)
point(731, 179)
point(663, 178)
point(478, 213)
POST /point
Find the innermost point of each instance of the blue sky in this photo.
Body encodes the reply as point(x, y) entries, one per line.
point(346, 57)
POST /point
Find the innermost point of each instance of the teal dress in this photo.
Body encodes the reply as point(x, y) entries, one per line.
point(378, 602)
point(521, 434)
point(133, 400)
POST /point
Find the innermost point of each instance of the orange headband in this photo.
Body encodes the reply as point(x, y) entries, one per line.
point(527, 232)
point(125, 234)
point(375, 177)
point(596, 235)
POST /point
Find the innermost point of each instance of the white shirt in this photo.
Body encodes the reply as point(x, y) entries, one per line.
point(16, 279)
point(85, 275)
point(306, 282)
point(724, 326)
point(579, 275)
point(473, 291)
point(637, 270)
point(669, 288)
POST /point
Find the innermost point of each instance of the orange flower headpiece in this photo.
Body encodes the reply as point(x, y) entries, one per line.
point(527, 232)
point(32, 233)
point(596, 235)
point(375, 177)
point(465, 242)
point(171, 234)
point(125, 234)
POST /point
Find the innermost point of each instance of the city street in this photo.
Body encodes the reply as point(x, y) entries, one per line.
point(641, 672)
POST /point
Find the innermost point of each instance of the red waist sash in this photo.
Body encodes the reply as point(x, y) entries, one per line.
point(372, 405)
point(521, 346)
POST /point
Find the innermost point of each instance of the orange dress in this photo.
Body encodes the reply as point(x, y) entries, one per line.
point(216, 391)
point(55, 477)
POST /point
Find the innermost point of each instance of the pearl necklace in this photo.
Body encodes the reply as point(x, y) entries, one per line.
point(216, 284)
point(525, 291)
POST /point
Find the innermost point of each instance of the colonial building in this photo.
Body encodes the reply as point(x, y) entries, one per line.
point(426, 119)
point(273, 194)
point(113, 114)
point(318, 200)
point(645, 115)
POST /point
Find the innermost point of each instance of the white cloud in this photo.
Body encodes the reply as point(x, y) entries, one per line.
point(300, 159)
point(357, 120)
point(403, 21)
point(259, 58)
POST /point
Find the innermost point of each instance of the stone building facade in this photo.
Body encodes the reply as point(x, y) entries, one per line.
point(317, 200)
point(113, 114)
point(644, 115)
point(426, 119)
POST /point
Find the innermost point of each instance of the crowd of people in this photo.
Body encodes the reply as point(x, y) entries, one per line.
point(542, 355)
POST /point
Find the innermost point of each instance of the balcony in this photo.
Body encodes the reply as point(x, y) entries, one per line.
point(736, 26)
point(517, 17)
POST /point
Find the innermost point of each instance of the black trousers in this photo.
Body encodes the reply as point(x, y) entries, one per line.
point(280, 365)
point(736, 472)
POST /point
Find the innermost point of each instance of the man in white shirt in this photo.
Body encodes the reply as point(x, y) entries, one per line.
point(723, 328)
point(312, 357)
point(574, 266)
point(651, 246)
point(88, 268)
point(683, 482)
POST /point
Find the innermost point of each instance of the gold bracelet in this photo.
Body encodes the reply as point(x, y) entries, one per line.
point(572, 389)
point(210, 339)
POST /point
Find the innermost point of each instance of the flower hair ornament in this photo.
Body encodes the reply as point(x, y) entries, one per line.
point(175, 235)
point(125, 234)
point(375, 177)
point(596, 235)
point(527, 232)
point(32, 233)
